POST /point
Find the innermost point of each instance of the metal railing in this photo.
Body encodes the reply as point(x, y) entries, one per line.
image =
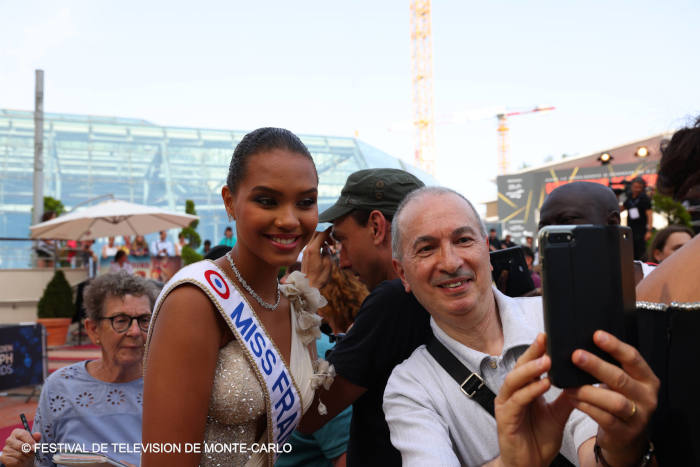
point(22, 253)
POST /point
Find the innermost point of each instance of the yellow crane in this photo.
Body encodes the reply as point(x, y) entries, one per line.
point(503, 160)
point(422, 78)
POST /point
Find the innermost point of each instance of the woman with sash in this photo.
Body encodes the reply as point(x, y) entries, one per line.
point(230, 361)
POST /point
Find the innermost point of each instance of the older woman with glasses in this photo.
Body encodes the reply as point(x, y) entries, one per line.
point(97, 401)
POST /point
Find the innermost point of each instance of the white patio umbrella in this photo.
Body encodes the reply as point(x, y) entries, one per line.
point(110, 218)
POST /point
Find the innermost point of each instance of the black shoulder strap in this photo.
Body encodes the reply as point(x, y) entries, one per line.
point(472, 384)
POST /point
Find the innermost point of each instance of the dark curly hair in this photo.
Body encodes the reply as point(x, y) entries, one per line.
point(345, 293)
point(258, 141)
point(679, 169)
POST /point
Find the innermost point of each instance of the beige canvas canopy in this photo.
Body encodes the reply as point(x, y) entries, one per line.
point(110, 219)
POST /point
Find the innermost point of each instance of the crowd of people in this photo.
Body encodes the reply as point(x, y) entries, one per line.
point(161, 246)
point(423, 360)
point(75, 254)
point(81, 254)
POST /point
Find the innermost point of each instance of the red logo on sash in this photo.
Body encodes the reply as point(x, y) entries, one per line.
point(217, 283)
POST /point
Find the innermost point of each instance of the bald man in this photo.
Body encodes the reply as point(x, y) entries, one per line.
point(585, 203)
point(440, 253)
point(580, 203)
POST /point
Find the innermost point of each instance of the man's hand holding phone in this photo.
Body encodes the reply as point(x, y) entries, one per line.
point(623, 404)
point(316, 261)
point(530, 429)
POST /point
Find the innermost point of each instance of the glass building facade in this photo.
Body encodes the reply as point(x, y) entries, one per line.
point(86, 157)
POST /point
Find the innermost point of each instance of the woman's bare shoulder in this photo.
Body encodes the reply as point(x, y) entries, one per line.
point(675, 279)
point(185, 295)
point(188, 309)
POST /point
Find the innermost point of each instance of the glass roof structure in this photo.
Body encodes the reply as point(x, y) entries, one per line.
point(140, 162)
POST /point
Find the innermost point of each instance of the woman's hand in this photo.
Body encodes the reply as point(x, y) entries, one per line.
point(622, 406)
point(15, 452)
point(530, 430)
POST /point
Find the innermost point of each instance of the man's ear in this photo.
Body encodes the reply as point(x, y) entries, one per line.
point(614, 218)
point(378, 226)
point(401, 273)
point(488, 250)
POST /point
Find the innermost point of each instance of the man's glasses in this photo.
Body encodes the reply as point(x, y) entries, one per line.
point(122, 323)
point(326, 329)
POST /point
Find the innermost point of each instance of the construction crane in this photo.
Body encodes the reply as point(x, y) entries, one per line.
point(503, 135)
point(422, 78)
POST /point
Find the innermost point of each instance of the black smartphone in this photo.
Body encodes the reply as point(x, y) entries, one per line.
point(518, 280)
point(587, 284)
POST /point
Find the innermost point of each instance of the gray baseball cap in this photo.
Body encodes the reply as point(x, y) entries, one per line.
point(370, 189)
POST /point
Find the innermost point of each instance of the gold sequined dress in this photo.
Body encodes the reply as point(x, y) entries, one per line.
point(237, 407)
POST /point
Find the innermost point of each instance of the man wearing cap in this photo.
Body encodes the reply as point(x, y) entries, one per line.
point(390, 323)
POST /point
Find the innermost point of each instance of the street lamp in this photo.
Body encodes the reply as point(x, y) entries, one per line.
point(605, 158)
point(642, 152)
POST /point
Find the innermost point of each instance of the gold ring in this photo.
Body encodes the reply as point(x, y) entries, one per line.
point(634, 411)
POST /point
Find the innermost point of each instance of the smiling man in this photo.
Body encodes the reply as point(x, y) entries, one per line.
point(390, 323)
point(441, 254)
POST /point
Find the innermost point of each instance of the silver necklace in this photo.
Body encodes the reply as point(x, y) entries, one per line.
point(263, 303)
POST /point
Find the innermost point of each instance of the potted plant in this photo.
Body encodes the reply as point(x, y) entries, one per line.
point(55, 309)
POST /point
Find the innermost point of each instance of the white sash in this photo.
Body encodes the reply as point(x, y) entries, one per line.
point(284, 408)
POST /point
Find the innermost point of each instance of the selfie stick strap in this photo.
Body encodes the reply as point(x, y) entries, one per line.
point(472, 384)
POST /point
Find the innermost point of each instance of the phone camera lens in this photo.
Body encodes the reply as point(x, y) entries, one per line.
point(559, 237)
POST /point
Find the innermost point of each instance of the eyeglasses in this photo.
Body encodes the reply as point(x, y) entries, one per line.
point(336, 337)
point(122, 323)
point(326, 329)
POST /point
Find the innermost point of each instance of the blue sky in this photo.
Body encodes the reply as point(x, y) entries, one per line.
point(616, 71)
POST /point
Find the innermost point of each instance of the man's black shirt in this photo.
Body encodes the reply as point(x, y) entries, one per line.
point(389, 326)
point(643, 204)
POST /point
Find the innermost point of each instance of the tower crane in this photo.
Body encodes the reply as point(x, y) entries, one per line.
point(503, 135)
point(422, 80)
